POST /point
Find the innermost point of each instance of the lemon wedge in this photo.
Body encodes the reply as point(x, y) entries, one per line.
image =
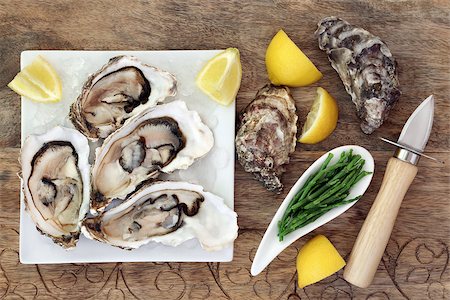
point(321, 120)
point(38, 82)
point(287, 65)
point(316, 260)
point(221, 77)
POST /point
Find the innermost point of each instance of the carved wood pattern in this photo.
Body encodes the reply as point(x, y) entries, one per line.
point(415, 264)
point(416, 269)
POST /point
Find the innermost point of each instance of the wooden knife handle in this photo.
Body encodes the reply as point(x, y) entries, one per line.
point(376, 230)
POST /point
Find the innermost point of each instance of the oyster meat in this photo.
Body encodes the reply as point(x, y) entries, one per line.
point(267, 135)
point(365, 66)
point(122, 88)
point(168, 137)
point(55, 181)
point(166, 212)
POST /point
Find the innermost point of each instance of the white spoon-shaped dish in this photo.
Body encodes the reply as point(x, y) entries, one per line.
point(270, 246)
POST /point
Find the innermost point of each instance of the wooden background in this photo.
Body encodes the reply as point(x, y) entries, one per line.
point(415, 264)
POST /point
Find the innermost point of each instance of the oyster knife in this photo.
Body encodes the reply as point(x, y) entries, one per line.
point(400, 172)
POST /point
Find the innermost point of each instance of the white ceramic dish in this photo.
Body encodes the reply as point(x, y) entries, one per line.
point(270, 246)
point(74, 68)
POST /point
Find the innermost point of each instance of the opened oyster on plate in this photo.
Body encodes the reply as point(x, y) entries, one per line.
point(140, 139)
point(166, 138)
point(121, 89)
point(55, 174)
point(168, 212)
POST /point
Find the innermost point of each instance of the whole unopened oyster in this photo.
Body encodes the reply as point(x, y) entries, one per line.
point(168, 137)
point(166, 212)
point(55, 177)
point(267, 135)
point(122, 88)
point(365, 66)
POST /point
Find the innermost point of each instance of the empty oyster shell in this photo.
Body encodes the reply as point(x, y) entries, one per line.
point(55, 182)
point(122, 88)
point(168, 137)
point(167, 212)
point(267, 135)
point(366, 67)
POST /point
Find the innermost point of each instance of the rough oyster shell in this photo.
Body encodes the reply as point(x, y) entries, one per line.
point(168, 137)
point(267, 135)
point(55, 182)
point(167, 212)
point(365, 66)
point(122, 88)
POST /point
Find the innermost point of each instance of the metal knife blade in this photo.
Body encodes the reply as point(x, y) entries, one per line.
point(416, 131)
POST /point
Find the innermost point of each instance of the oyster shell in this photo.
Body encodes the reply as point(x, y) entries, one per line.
point(267, 135)
point(55, 182)
point(122, 88)
point(165, 138)
point(167, 212)
point(366, 67)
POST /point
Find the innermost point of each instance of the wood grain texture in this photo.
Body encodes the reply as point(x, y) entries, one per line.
point(377, 228)
point(415, 263)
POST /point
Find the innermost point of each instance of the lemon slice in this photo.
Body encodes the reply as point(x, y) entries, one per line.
point(287, 65)
point(38, 82)
point(316, 260)
point(321, 120)
point(221, 77)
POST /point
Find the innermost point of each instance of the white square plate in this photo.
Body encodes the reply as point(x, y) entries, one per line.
point(215, 171)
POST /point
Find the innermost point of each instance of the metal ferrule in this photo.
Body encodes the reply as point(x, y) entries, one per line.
point(407, 156)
